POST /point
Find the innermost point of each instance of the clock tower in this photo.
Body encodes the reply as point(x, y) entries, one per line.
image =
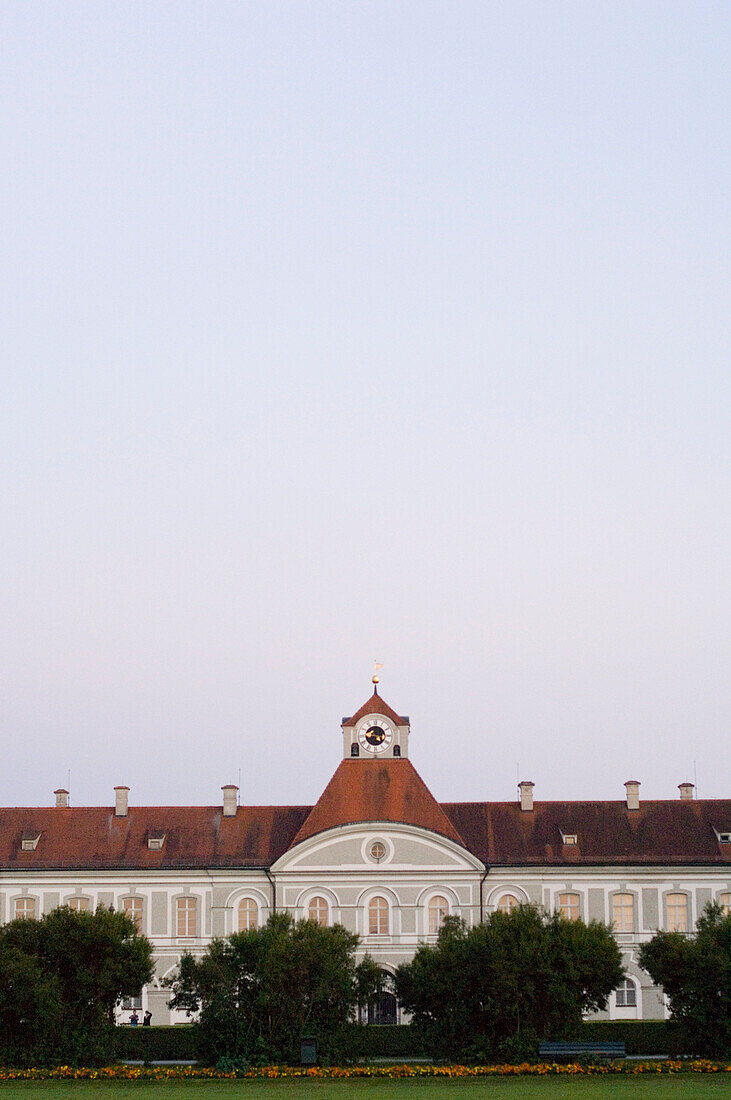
point(375, 731)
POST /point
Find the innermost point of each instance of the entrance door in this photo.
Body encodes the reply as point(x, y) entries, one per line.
point(383, 1010)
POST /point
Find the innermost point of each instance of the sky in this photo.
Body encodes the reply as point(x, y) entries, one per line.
point(336, 332)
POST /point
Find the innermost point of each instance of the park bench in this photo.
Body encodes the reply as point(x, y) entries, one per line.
point(562, 1051)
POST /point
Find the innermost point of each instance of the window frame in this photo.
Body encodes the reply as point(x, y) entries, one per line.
point(138, 900)
point(23, 899)
point(80, 903)
point(180, 907)
point(247, 926)
point(513, 903)
point(628, 987)
point(672, 925)
point(623, 930)
point(314, 903)
point(565, 907)
point(433, 926)
point(381, 913)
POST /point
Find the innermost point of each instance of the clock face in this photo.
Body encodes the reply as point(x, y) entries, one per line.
point(375, 734)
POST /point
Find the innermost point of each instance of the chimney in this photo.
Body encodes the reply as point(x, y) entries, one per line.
point(686, 791)
point(62, 797)
point(526, 795)
point(121, 794)
point(230, 791)
point(632, 787)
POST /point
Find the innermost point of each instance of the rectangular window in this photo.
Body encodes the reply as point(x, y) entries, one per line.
point(25, 908)
point(627, 994)
point(81, 905)
point(568, 905)
point(677, 912)
point(187, 912)
point(133, 909)
point(623, 912)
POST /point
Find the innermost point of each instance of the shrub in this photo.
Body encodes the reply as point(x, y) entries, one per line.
point(157, 1044)
point(60, 978)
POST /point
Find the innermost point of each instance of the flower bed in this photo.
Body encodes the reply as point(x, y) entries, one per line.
point(538, 1069)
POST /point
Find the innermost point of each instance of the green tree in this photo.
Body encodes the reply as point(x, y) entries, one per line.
point(30, 1016)
point(60, 979)
point(496, 989)
point(258, 992)
point(695, 973)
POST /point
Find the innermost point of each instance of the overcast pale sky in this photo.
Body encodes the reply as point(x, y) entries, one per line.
point(336, 331)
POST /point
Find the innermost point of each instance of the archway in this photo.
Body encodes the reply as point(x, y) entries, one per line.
point(384, 1007)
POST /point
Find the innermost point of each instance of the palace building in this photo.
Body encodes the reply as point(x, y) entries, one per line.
point(378, 854)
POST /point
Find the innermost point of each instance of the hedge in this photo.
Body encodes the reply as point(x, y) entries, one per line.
point(157, 1044)
point(166, 1044)
point(384, 1041)
point(162, 1044)
point(638, 1036)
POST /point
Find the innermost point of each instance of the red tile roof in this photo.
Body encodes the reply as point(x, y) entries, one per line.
point(376, 705)
point(377, 790)
point(659, 832)
point(195, 836)
point(498, 833)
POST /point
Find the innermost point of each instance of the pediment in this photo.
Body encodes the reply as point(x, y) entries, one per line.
point(349, 848)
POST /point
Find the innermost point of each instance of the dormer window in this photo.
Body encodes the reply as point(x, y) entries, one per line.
point(155, 841)
point(570, 838)
point(724, 836)
point(29, 840)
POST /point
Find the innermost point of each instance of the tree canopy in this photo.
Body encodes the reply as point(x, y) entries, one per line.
point(496, 989)
point(695, 973)
point(259, 992)
point(60, 979)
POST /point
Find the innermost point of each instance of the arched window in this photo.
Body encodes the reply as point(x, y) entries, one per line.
point(438, 910)
point(724, 900)
point(627, 994)
point(677, 912)
point(25, 908)
point(507, 903)
point(317, 911)
point(384, 1009)
point(568, 906)
point(623, 913)
point(378, 917)
point(187, 914)
point(248, 915)
point(133, 909)
point(81, 905)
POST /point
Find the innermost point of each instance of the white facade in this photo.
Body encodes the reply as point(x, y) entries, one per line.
point(389, 881)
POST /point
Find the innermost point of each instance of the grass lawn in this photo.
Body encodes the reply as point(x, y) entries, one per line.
point(692, 1087)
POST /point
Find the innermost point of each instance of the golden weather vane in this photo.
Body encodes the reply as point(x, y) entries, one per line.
point(376, 669)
